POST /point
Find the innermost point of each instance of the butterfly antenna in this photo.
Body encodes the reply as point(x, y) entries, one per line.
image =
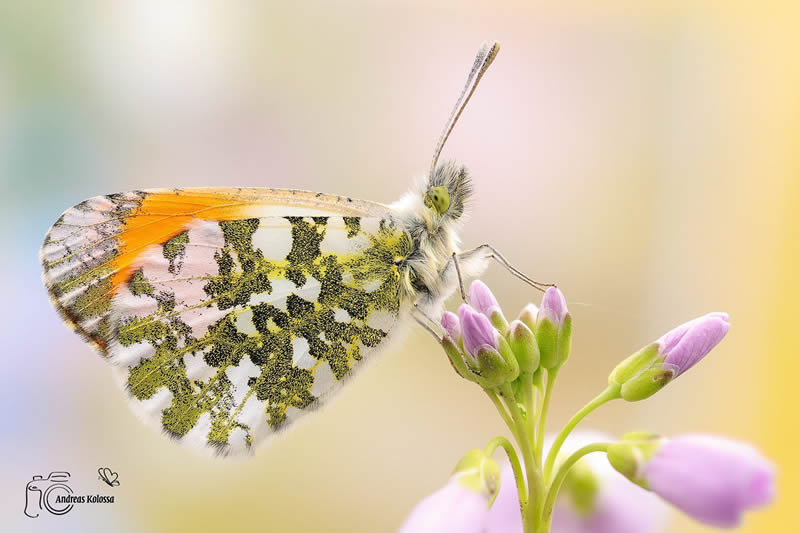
point(486, 54)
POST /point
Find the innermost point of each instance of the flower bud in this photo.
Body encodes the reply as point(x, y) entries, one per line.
point(476, 330)
point(553, 329)
point(463, 503)
point(524, 345)
point(686, 345)
point(629, 455)
point(482, 299)
point(451, 325)
point(713, 480)
point(650, 369)
point(528, 316)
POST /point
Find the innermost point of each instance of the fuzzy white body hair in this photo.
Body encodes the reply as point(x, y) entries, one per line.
point(429, 275)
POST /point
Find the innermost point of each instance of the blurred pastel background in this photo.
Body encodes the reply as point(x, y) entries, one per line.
point(643, 155)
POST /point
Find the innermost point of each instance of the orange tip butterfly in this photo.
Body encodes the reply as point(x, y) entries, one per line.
point(228, 313)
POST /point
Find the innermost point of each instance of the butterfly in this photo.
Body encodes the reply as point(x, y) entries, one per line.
point(229, 313)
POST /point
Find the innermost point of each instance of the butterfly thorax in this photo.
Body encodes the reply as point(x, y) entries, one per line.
point(431, 215)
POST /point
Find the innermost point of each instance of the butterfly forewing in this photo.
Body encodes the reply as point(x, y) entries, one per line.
point(227, 315)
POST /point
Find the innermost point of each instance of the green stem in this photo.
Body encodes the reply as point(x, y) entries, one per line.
point(535, 480)
point(611, 393)
point(513, 459)
point(548, 393)
point(530, 407)
point(501, 409)
point(552, 493)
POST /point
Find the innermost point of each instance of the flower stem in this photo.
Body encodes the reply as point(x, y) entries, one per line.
point(530, 513)
point(611, 393)
point(555, 486)
point(501, 409)
point(513, 459)
point(548, 393)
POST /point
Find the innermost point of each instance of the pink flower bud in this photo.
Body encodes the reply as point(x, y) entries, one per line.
point(553, 329)
point(713, 480)
point(476, 330)
point(688, 343)
point(451, 325)
point(461, 506)
point(482, 299)
point(453, 508)
point(554, 306)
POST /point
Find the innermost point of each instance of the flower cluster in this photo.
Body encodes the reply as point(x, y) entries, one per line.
point(486, 349)
point(555, 487)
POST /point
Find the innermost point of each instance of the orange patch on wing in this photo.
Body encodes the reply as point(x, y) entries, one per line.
point(162, 216)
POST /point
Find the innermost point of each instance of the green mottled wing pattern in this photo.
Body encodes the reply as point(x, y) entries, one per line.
point(231, 330)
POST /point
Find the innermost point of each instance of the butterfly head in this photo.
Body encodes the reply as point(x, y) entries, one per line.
point(448, 191)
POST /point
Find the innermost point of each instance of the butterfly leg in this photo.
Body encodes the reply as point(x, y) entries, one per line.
point(490, 252)
point(460, 278)
point(417, 312)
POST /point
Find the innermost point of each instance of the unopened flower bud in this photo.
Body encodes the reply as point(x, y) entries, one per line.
point(451, 325)
point(713, 480)
point(482, 299)
point(650, 369)
point(476, 330)
point(528, 316)
point(553, 329)
point(629, 455)
point(463, 503)
point(523, 344)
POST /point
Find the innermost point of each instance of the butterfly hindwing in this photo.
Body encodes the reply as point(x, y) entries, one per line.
point(226, 327)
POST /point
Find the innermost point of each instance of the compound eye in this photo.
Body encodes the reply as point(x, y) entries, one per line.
point(438, 199)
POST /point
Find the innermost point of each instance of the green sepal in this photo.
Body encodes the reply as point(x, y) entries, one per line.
point(512, 366)
point(582, 486)
point(634, 364)
point(526, 349)
point(455, 355)
point(565, 340)
point(492, 366)
point(479, 473)
point(457, 360)
point(646, 383)
point(629, 455)
point(547, 339)
point(499, 321)
point(626, 459)
point(528, 316)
